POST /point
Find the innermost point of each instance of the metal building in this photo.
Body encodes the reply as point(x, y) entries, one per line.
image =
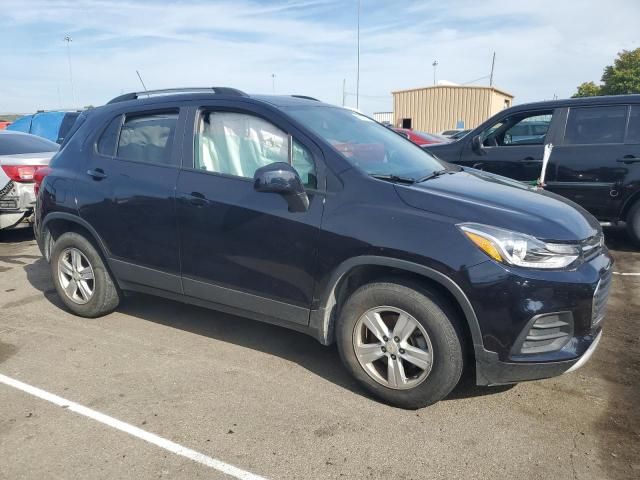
point(445, 107)
point(383, 117)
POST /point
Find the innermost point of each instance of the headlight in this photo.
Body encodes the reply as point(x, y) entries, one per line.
point(519, 249)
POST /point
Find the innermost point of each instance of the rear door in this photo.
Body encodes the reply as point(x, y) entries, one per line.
point(513, 146)
point(127, 193)
point(587, 164)
point(240, 247)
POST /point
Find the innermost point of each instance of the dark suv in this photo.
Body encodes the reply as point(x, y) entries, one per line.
point(595, 160)
point(298, 213)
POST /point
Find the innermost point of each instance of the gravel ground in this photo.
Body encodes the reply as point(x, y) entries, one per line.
point(276, 403)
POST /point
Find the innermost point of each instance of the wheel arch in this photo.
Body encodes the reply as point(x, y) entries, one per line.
point(322, 320)
point(57, 223)
point(628, 205)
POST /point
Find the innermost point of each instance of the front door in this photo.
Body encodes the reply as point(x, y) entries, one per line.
point(513, 146)
point(127, 193)
point(240, 247)
point(588, 165)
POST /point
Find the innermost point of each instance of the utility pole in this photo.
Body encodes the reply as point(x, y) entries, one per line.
point(493, 65)
point(344, 91)
point(434, 65)
point(68, 39)
point(358, 67)
point(273, 82)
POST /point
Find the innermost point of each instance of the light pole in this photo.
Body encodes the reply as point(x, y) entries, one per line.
point(435, 66)
point(273, 82)
point(68, 39)
point(358, 65)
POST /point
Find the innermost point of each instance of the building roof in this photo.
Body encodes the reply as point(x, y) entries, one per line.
point(469, 87)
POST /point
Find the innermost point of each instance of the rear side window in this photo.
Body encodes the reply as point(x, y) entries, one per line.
point(17, 143)
point(633, 132)
point(148, 138)
point(596, 125)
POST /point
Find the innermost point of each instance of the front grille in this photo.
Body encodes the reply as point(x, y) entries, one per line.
point(600, 297)
point(592, 246)
point(548, 333)
point(8, 204)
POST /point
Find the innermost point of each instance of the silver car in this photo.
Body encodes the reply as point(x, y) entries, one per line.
point(21, 155)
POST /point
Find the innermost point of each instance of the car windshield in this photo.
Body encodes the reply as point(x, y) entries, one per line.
point(16, 143)
point(366, 144)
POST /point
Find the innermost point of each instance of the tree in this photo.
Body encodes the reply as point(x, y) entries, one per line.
point(621, 78)
point(587, 89)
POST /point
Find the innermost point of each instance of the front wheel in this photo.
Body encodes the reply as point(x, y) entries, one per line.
point(400, 343)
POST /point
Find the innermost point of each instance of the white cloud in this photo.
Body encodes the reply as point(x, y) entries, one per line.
point(543, 48)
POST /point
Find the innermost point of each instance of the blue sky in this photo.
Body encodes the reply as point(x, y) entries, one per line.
point(543, 48)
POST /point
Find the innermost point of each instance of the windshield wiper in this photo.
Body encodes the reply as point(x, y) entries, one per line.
point(435, 174)
point(394, 178)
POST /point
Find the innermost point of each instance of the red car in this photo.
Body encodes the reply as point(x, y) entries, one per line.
point(4, 124)
point(420, 138)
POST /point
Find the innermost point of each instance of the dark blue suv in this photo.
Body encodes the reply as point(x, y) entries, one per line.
point(294, 212)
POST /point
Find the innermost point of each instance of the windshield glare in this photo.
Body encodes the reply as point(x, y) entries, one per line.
point(365, 143)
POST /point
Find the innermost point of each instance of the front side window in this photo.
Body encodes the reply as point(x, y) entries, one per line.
point(527, 129)
point(595, 125)
point(238, 144)
point(633, 131)
point(148, 138)
point(365, 143)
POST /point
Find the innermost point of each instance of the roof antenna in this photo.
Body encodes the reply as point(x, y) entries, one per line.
point(143, 85)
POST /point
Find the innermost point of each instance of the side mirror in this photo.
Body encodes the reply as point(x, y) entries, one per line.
point(282, 178)
point(476, 145)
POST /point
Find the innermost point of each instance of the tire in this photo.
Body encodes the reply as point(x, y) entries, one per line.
point(91, 297)
point(432, 316)
point(633, 223)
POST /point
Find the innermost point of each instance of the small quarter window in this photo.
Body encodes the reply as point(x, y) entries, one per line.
point(148, 138)
point(595, 125)
point(109, 138)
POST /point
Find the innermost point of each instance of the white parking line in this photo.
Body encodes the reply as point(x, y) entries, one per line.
point(131, 430)
point(627, 274)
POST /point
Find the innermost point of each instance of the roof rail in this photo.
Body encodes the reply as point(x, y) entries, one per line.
point(168, 91)
point(306, 97)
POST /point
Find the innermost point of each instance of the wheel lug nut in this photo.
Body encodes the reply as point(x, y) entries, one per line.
point(384, 350)
point(396, 339)
point(385, 338)
point(401, 351)
point(393, 357)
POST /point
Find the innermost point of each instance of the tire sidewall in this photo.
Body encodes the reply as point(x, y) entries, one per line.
point(633, 223)
point(432, 315)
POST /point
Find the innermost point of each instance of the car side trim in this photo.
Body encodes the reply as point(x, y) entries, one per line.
point(322, 321)
point(127, 273)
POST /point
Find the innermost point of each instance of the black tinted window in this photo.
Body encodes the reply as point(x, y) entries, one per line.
point(148, 138)
point(67, 122)
point(633, 132)
point(16, 143)
point(593, 125)
point(109, 138)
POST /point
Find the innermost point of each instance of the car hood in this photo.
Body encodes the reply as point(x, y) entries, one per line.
point(480, 197)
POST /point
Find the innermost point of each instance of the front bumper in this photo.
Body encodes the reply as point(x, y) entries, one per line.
point(507, 303)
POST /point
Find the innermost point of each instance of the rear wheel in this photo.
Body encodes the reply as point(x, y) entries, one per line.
point(400, 343)
point(81, 278)
point(633, 223)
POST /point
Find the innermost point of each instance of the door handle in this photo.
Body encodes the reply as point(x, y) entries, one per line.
point(628, 159)
point(197, 199)
point(97, 174)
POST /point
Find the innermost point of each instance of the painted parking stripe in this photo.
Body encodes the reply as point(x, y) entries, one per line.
point(627, 274)
point(131, 430)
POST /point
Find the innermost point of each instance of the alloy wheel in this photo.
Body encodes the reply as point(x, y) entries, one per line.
point(76, 276)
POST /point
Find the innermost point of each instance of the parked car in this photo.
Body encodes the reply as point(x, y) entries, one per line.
point(317, 218)
point(4, 124)
point(595, 160)
point(50, 125)
point(420, 138)
point(21, 156)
